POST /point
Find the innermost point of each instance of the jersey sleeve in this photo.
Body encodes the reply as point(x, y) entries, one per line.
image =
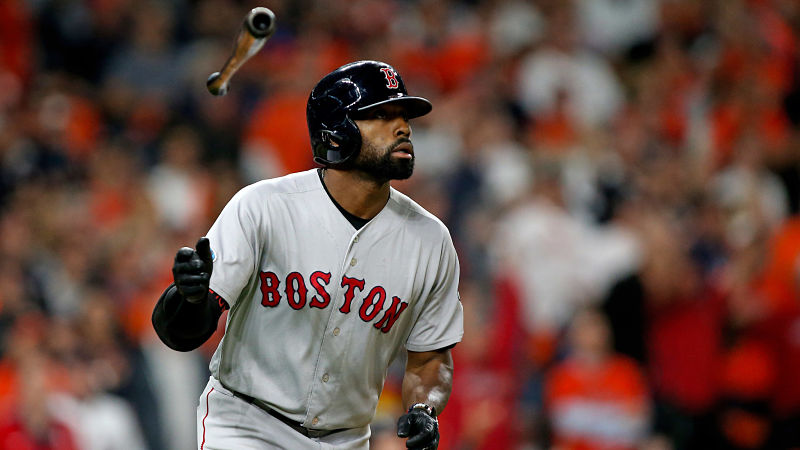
point(441, 321)
point(235, 247)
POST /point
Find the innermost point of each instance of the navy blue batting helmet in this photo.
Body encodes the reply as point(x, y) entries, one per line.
point(343, 93)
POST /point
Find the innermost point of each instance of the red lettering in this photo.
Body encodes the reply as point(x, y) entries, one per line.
point(391, 315)
point(297, 296)
point(317, 279)
point(370, 302)
point(391, 78)
point(269, 289)
point(352, 284)
point(223, 305)
point(296, 291)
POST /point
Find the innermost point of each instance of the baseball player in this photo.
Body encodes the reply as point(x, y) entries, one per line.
point(328, 275)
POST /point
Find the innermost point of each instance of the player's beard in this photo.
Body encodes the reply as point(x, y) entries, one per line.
point(381, 165)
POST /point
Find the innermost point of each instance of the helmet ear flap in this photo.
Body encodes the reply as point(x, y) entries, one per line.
point(335, 138)
point(338, 146)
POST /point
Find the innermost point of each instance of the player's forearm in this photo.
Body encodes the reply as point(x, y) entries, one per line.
point(428, 379)
point(184, 326)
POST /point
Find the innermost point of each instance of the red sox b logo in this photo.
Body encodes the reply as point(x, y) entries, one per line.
point(391, 78)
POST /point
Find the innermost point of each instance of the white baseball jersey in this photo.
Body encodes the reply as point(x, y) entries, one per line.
point(319, 309)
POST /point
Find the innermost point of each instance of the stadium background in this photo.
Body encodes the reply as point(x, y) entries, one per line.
point(621, 179)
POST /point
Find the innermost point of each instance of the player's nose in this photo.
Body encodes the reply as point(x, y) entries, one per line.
point(402, 127)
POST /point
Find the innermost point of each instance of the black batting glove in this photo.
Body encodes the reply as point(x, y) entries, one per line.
point(420, 426)
point(192, 271)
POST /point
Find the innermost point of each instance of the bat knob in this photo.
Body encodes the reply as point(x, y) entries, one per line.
point(260, 22)
point(215, 87)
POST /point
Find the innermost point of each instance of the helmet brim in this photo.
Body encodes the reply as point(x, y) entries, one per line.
point(414, 106)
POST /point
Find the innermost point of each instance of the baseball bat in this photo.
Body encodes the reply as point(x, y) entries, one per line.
point(258, 26)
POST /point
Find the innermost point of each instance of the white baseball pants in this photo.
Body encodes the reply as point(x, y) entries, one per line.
point(226, 422)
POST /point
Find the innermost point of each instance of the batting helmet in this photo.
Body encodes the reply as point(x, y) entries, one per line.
point(350, 89)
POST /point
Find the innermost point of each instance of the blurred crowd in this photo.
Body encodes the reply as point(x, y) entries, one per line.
point(621, 179)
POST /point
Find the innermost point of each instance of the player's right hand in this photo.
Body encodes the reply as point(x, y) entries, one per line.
point(192, 271)
point(420, 426)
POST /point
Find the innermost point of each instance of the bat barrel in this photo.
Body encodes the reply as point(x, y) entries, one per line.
point(260, 22)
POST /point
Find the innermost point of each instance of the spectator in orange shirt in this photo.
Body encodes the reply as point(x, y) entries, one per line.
point(596, 399)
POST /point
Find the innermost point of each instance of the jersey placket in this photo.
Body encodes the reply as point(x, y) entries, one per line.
point(335, 341)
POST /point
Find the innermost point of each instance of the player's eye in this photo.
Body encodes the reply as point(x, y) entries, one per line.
point(383, 113)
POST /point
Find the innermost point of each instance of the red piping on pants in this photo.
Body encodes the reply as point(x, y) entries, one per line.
point(204, 420)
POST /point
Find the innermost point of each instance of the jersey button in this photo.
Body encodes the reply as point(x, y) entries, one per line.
point(325, 378)
point(315, 421)
point(355, 240)
point(336, 331)
point(353, 262)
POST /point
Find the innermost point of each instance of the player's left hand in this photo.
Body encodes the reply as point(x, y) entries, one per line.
point(420, 426)
point(191, 271)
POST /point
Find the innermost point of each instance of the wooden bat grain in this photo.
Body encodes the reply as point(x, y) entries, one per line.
point(258, 26)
